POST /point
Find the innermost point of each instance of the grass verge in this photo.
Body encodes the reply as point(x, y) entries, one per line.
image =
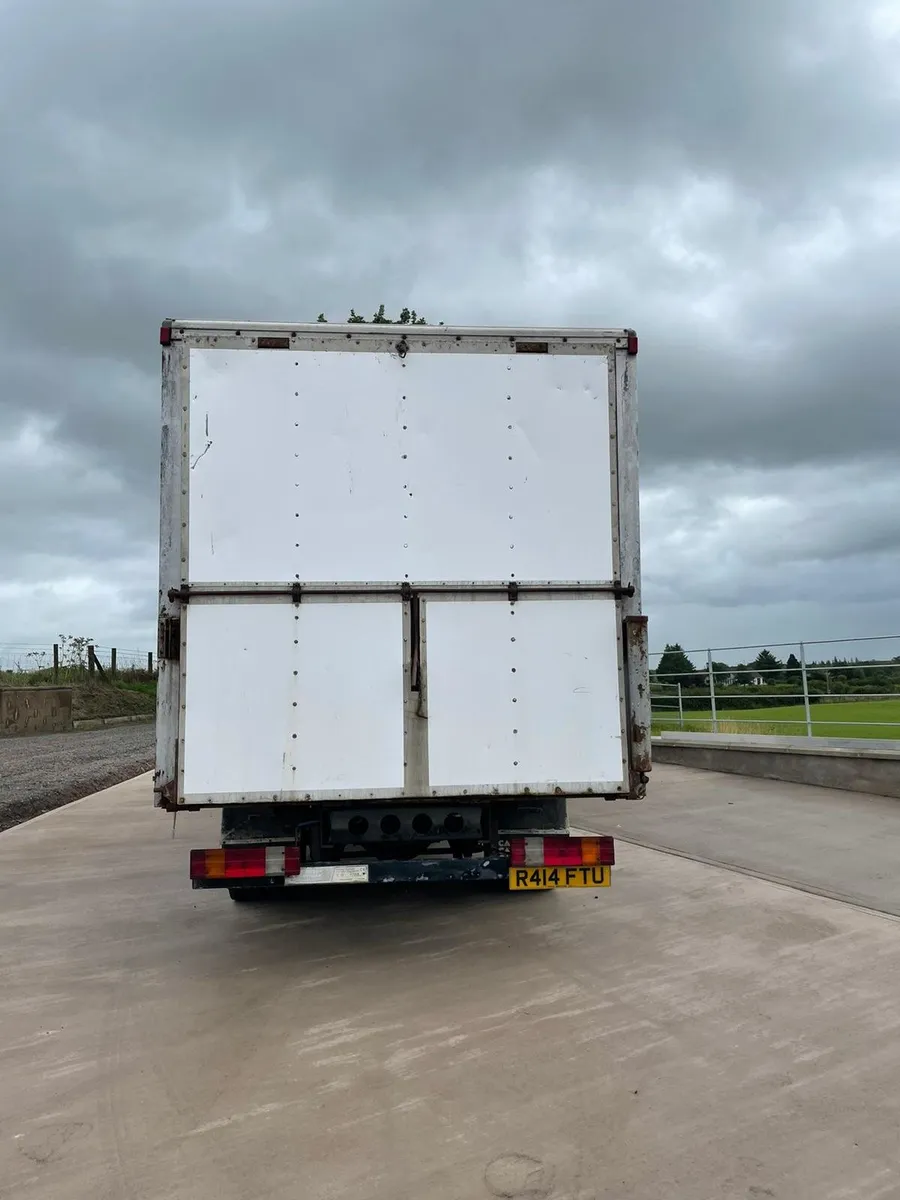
point(132, 694)
point(847, 719)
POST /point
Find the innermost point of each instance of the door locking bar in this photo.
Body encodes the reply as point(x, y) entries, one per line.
point(512, 589)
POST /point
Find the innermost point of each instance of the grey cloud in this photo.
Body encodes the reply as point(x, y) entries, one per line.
point(707, 172)
point(771, 550)
point(381, 96)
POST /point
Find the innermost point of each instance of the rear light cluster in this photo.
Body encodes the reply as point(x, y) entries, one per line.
point(261, 862)
point(245, 862)
point(560, 851)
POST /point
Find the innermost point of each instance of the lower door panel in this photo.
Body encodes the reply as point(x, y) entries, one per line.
point(524, 695)
point(286, 698)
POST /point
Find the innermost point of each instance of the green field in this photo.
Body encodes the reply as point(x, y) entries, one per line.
point(849, 719)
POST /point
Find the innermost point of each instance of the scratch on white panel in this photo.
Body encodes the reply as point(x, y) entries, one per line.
point(202, 453)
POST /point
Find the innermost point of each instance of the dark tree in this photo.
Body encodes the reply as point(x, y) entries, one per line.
point(676, 667)
point(792, 672)
point(768, 666)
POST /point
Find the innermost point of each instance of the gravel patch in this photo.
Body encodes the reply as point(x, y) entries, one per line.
point(44, 772)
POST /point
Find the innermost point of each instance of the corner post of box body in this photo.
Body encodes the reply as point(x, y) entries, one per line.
point(172, 563)
point(635, 639)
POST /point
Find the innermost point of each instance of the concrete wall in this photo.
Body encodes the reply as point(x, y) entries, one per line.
point(35, 710)
point(854, 767)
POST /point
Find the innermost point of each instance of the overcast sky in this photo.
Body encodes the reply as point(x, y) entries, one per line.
point(723, 175)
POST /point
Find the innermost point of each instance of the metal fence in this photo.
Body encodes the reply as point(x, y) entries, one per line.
point(72, 657)
point(846, 687)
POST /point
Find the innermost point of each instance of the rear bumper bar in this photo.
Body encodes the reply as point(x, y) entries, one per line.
point(420, 870)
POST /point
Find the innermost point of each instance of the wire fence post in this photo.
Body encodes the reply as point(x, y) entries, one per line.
point(56, 662)
point(809, 728)
point(680, 708)
point(712, 691)
point(149, 662)
point(92, 659)
point(113, 655)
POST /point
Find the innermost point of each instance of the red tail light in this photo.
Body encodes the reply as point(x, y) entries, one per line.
point(245, 862)
point(557, 850)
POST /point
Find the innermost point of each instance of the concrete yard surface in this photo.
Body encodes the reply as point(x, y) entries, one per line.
point(689, 1033)
point(841, 844)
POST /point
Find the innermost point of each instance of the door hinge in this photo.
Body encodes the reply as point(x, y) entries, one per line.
point(169, 640)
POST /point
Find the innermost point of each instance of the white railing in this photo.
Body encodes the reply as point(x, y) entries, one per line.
point(730, 691)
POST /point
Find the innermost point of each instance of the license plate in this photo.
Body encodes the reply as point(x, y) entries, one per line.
point(543, 878)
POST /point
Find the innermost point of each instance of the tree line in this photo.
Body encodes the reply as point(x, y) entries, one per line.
point(767, 681)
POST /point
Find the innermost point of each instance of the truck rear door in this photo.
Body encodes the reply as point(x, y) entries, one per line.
point(400, 563)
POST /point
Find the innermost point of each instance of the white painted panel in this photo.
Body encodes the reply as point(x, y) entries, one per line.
point(282, 698)
point(356, 466)
point(508, 467)
point(523, 695)
point(295, 467)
